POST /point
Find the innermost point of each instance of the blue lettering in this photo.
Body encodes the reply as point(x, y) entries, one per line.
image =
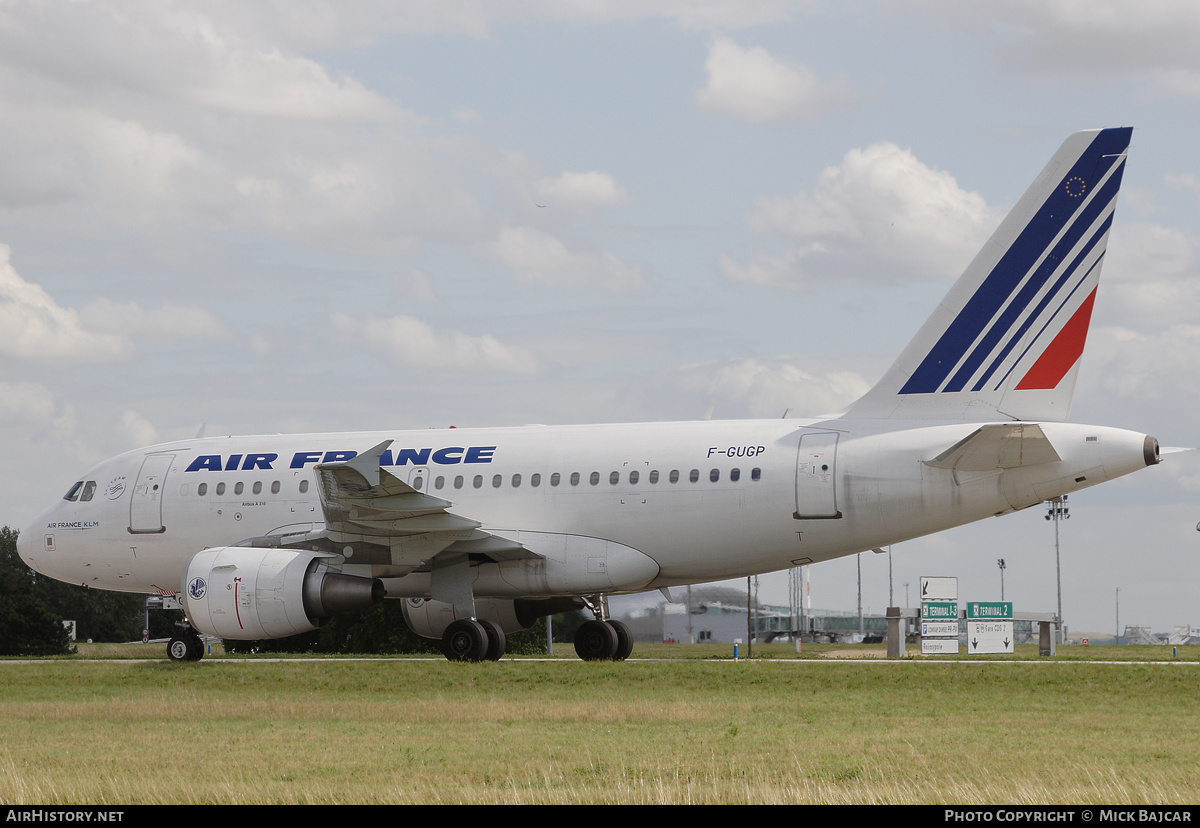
point(385, 459)
point(233, 462)
point(209, 462)
point(259, 461)
point(418, 457)
point(479, 454)
point(300, 458)
point(448, 456)
point(339, 456)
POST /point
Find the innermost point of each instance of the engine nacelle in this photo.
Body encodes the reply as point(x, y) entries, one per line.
point(429, 619)
point(244, 593)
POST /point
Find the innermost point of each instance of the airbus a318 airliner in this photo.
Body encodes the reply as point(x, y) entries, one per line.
point(483, 531)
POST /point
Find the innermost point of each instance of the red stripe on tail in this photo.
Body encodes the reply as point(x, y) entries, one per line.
point(1063, 352)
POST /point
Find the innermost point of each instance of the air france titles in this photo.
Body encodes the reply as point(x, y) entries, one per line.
point(449, 456)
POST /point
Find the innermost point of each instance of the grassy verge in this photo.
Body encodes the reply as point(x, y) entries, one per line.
point(724, 652)
point(691, 731)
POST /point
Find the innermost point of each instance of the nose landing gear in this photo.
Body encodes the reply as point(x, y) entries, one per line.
point(185, 645)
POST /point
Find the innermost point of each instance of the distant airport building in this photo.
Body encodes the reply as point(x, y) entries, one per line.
point(719, 622)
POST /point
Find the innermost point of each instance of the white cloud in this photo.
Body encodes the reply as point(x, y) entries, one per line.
point(1151, 276)
point(576, 189)
point(1098, 37)
point(1147, 366)
point(879, 216)
point(406, 340)
point(767, 388)
point(753, 85)
point(166, 321)
point(539, 258)
point(26, 404)
point(417, 285)
point(137, 430)
point(35, 327)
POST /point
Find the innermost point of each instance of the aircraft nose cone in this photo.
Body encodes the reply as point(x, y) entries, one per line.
point(26, 548)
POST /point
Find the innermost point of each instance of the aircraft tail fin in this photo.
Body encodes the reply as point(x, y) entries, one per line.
point(1006, 340)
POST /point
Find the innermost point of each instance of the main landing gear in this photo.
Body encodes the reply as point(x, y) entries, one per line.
point(470, 640)
point(602, 639)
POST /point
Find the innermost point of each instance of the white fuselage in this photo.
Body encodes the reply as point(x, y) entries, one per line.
point(701, 501)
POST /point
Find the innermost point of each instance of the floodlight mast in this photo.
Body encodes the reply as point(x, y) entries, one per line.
point(1058, 511)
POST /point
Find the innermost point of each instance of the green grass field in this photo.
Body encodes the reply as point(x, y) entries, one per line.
point(819, 729)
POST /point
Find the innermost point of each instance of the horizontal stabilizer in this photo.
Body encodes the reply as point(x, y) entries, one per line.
point(1001, 446)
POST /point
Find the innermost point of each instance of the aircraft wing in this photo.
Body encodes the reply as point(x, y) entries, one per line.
point(381, 520)
point(1000, 446)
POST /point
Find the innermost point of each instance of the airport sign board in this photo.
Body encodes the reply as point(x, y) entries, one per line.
point(939, 616)
point(939, 589)
point(939, 646)
point(939, 610)
point(989, 637)
point(939, 628)
point(987, 610)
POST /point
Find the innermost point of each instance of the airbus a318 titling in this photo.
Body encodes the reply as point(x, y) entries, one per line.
point(482, 531)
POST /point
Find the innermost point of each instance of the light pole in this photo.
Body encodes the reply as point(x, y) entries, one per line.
point(1001, 564)
point(1058, 511)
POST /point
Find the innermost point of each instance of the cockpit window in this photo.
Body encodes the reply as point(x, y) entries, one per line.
point(89, 489)
point(73, 495)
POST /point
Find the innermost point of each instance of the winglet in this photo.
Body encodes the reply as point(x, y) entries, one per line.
point(1006, 340)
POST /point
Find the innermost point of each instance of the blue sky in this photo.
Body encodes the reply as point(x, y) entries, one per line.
point(263, 217)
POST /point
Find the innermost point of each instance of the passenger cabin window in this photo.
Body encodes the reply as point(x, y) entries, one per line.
point(735, 475)
point(674, 476)
point(714, 475)
point(755, 474)
point(258, 487)
point(654, 476)
point(458, 482)
point(633, 478)
point(478, 481)
point(239, 487)
point(535, 480)
point(303, 486)
point(574, 478)
point(516, 481)
point(439, 482)
point(594, 478)
point(202, 489)
point(418, 482)
point(497, 480)
point(555, 479)
point(275, 485)
point(694, 475)
point(614, 478)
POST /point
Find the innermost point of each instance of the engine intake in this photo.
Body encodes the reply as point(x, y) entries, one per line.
point(246, 593)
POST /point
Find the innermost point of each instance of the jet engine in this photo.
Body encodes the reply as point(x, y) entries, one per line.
point(246, 593)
